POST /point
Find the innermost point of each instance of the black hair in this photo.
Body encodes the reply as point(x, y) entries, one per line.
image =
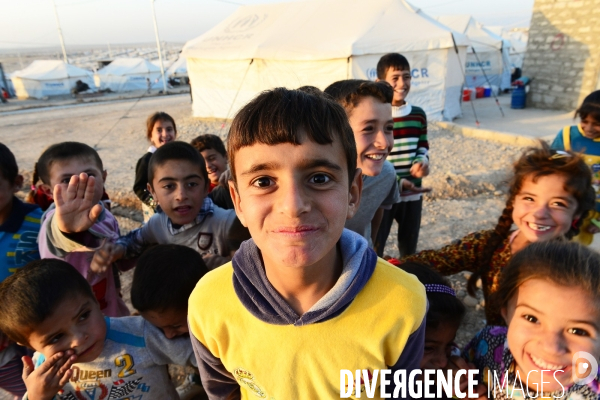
point(350, 92)
point(394, 61)
point(165, 277)
point(443, 307)
point(208, 142)
point(33, 293)
point(277, 116)
point(176, 151)
point(590, 107)
point(8, 164)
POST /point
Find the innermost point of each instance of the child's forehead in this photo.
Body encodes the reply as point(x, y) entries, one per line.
point(83, 163)
point(179, 166)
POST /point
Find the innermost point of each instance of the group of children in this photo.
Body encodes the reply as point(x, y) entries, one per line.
point(262, 259)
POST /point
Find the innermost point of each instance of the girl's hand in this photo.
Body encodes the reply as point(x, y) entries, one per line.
point(54, 373)
point(420, 169)
point(106, 254)
point(75, 208)
point(408, 186)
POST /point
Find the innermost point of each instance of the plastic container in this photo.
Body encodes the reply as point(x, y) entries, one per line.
point(479, 91)
point(518, 98)
point(487, 92)
point(467, 95)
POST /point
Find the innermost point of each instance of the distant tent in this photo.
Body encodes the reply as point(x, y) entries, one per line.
point(44, 78)
point(488, 55)
point(178, 69)
point(127, 74)
point(317, 43)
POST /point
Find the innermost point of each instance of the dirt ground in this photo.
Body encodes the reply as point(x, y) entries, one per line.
point(467, 174)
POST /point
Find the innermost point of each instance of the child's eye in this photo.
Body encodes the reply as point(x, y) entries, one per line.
point(66, 181)
point(84, 316)
point(320, 179)
point(578, 332)
point(530, 318)
point(389, 128)
point(55, 339)
point(262, 182)
point(560, 204)
point(169, 186)
point(193, 184)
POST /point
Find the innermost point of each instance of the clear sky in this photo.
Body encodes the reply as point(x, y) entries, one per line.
point(32, 23)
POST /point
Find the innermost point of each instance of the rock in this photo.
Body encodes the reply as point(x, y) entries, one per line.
point(482, 303)
point(478, 284)
point(470, 301)
point(498, 193)
point(461, 294)
point(467, 274)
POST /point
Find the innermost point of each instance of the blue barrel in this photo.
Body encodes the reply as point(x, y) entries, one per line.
point(518, 97)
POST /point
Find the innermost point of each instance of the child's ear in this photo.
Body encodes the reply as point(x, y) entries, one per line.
point(151, 190)
point(237, 202)
point(354, 193)
point(18, 183)
point(47, 190)
point(104, 174)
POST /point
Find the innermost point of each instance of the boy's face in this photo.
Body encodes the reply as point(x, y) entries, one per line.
point(372, 124)
point(400, 81)
point(295, 200)
point(180, 189)
point(216, 164)
point(7, 191)
point(173, 323)
point(591, 127)
point(62, 171)
point(77, 324)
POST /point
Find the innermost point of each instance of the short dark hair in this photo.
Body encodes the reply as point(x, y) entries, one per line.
point(443, 307)
point(158, 116)
point(350, 92)
point(176, 151)
point(395, 61)
point(165, 277)
point(276, 116)
point(61, 152)
point(590, 107)
point(33, 293)
point(208, 142)
point(8, 164)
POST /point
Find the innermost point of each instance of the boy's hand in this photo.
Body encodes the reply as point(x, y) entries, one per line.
point(54, 373)
point(75, 207)
point(420, 169)
point(106, 254)
point(408, 186)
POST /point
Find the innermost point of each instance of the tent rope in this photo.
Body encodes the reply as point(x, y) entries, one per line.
point(488, 81)
point(236, 95)
point(119, 120)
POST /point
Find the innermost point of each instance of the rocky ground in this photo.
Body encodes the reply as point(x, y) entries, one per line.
point(467, 175)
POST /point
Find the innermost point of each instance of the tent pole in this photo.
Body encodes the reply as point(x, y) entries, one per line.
point(464, 78)
point(162, 68)
point(62, 41)
point(488, 81)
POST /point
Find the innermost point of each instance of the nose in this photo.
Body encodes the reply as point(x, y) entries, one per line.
point(553, 342)
point(542, 211)
point(79, 338)
point(181, 193)
point(439, 360)
point(169, 333)
point(293, 200)
point(383, 141)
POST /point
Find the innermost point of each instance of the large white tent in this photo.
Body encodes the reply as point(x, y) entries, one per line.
point(488, 58)
point(317, 43)
point(44, 78)
point(127, 74)
point(178, 68)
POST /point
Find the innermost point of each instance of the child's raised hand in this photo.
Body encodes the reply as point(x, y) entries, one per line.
point(420, 169)
point(76, 208)
point(408, 186)
point(106, 254)
point(44, 382)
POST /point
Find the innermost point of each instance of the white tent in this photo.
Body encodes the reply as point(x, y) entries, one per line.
point(126, 74)
point(178, 68)
point(317, 43)
point(488, 54)
point(48, 78)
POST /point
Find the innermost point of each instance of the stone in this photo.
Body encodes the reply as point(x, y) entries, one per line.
point(470, 301)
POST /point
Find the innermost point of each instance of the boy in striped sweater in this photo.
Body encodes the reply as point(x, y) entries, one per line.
point(410, 156)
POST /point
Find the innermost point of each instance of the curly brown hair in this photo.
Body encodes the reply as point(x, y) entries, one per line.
point(350, 92)
point(534, 163)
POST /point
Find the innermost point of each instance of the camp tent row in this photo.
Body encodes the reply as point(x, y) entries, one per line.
point(127, 74)
point(317, 43)
point(44, 78)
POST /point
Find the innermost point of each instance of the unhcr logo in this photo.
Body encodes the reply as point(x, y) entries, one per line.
point(246, 23)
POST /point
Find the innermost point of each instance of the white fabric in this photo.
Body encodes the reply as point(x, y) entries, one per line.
point(48, 78)
point(127, 74)
point(487, 51)
point(317, 43)
point(178, 68)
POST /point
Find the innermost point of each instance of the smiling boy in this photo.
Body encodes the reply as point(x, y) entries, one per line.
point(304, 297)
point(48, 306)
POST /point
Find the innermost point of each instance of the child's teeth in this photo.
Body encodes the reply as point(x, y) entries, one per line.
point(543, 364)
point(375, 156)
point(538, 227)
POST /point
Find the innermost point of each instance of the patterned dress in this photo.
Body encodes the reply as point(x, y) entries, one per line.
point(464, 255)
point(489, 351)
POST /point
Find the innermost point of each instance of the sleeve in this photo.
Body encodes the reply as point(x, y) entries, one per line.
point(558, 143)
point(141, 180)
point(423, 143)
point(165, 351)
point(136, 241)
point(54, 242)
point(410, 358)
point(216, 380)
point(456, 257)
point(393, 196)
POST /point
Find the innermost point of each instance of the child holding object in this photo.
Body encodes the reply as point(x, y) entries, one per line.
point(585, 138)
point(549, 194)
point(549, 297)
point(302, 278)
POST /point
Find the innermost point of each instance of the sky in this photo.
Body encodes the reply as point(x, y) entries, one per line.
point(32, 23)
